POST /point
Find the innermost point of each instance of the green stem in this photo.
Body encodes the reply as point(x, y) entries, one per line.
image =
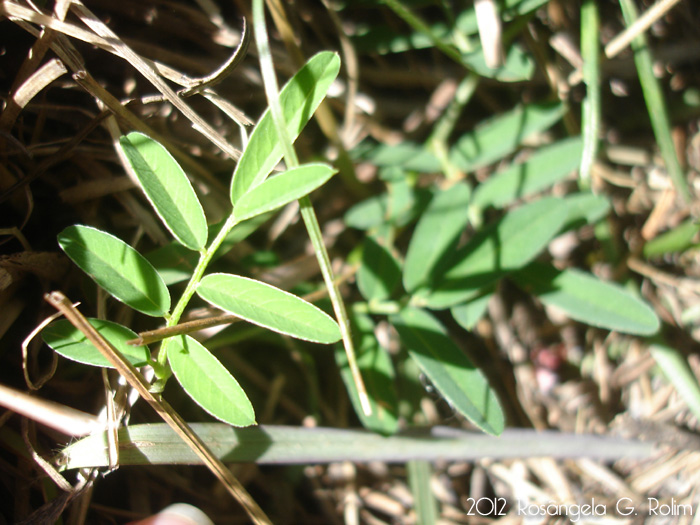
point(204, 260)
point(416, 23)
point(307, 211)
point(656, 105)
point(590, 52)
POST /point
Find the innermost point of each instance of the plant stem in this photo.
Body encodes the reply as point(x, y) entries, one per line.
point(590, 51)
point(307, 211)
point(656, 105)
point(204, 260)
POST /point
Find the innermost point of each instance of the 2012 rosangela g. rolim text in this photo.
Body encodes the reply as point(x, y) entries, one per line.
point(622, 507)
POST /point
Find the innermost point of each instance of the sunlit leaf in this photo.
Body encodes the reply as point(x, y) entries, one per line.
point(282, 189)
point(298, 99)
point(270, 307)
point(675, 240)
point(167, 188)
point(208, 382)
point(116, 267)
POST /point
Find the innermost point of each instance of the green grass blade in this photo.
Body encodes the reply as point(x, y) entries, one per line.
point(282, 189)
point(591, 107)
point(547, 166)
point(267, 306)
point(503, 247)
point(501, 135)
point(585, 298)
point(118, 268)
point(72, 344)
point(656, 106)
point(449, 369)
point(675, 367)
point(157, 444)
point(167, 188)
point(208, 382)
point(675, 240)
point(436, 235)
point(299, 99)
point(424, 502)
point(378, 374)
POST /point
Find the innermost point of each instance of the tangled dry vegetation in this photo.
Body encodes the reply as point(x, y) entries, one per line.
point(70, 90)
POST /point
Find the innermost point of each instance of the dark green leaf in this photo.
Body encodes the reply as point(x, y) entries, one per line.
point(378, 374)
point(586, 298)
point(544, 168)
point(505, 246)
point(468, 314)
point(449, 369)
point(494, 139)
point(518, 66)
point(379, 272)
point(71, 343)
point(436, 235)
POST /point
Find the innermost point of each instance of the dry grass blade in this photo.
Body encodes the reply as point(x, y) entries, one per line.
point(162, 407)
point(643, 23)
point(147, 71)
point(65, 419)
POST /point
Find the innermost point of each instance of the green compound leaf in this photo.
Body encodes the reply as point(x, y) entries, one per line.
point(282, 189)
point(118, 268)
point(299, 99)
point(449, 369)
point(436, 235)
point(379, 272)
point(378, 374)
point(270, 307)
point(549, 165)
point(72, 344)
point(503, 247)
point(501, 135)
point(167, 188)
point(208, 382)
point(585, 298)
